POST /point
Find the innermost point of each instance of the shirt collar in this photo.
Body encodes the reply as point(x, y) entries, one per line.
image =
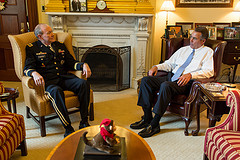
point(198, 48)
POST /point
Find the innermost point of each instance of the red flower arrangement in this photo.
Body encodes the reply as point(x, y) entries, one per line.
point(3, 1)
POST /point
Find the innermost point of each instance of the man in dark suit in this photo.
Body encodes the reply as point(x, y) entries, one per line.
point(48, 62)
point(186, 64)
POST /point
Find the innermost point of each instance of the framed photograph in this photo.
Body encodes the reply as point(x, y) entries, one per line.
point(190, 31)
point(212, 33)
point(174, 32)
point(78, 5)
point(231, 33)
point(185, 27)
point(220, 29)
point(235, 24)
point(204, 3)
point(203, 25)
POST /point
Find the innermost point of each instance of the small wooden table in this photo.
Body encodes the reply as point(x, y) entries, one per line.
point(13, 94)
point(216, 105)
point(137, 147)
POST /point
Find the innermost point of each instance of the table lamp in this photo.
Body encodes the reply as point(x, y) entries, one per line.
point(167, 6)
point(237, 8)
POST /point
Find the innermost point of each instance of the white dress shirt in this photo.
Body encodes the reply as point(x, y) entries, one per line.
point(201, 65)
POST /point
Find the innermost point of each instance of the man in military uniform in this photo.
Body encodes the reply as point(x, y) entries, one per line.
point(48, 61)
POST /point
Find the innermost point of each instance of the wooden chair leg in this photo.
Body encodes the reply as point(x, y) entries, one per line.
point(197, 108)
point(91, 112)
point(23, 147)
point(27, 111)
point(42, 126)
point(205, 157)
point(187, 122)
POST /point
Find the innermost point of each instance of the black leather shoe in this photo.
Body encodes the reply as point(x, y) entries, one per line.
point(149, 131)
point(83, 125)
point(68, 131)
point(139, 124)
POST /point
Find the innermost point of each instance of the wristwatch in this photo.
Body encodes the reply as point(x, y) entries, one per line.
point(101, 5)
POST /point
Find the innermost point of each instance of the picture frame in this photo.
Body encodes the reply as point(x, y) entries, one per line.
point(204, 4)
point(174, 31)
point(185, 27)
point(203, 25)
point(78, 5)
point(235, 24)
point(220, 29)
point(190, 31)
point(231, 33)
point(212, 33)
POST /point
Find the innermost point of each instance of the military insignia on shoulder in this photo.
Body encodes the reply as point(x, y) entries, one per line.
point(60, 42)
point(30, 44)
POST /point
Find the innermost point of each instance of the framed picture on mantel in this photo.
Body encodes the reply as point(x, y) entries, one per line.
point(78, 5)
point(204, 3)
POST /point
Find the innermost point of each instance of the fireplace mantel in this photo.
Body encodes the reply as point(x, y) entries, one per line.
point(112, 29)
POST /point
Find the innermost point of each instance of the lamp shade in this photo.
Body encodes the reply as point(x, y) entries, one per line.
point(167, 6)
point(237, 7)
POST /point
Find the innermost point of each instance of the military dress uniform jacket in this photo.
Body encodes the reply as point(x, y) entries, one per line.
point(51, 62)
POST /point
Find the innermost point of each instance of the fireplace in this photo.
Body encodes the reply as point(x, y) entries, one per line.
point(110, 66)
point(111, 29)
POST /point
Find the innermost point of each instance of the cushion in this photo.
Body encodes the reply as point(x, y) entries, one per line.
point(8, 124)
point(225, 143)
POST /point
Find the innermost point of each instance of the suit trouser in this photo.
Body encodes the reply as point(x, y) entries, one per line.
point(56, 95)
point(167, 90)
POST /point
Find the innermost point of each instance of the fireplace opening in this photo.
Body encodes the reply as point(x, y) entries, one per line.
point(110, 66)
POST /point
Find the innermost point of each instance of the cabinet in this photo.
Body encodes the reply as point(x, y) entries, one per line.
point(231, 55)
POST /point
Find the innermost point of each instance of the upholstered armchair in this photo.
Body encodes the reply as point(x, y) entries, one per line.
point(12, 133)
point(183, 105)
point(222, 142)
point(34, 96)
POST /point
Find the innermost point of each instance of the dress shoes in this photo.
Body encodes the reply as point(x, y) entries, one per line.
point(139, 124)
point(68, 131)
point(83, 124)
point(149, 131)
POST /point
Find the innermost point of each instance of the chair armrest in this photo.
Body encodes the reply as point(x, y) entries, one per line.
point(29, 83)
point(206, 80)
point(78, 74)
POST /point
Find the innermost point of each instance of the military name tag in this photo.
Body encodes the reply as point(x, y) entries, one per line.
point(41, 53)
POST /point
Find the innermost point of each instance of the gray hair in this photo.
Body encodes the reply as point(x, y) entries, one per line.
point(38, 29)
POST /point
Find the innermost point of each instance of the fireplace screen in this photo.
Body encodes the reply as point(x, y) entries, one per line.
point(110, 66)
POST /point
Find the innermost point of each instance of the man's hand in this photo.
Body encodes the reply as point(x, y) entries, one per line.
point(86, 70)
point(38, 79)
point(184, 79)
point(153, 71)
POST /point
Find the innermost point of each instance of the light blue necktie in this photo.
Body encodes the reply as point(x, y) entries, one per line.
point(182, 67)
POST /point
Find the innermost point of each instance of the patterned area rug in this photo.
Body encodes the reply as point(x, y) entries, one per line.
point(170, 143)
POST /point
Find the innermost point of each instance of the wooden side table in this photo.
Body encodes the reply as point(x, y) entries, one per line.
point(13, 94)
point(216, 105)
point(231, 55)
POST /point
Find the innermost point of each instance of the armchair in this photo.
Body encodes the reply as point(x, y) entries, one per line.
point(222, 141)
point(183, 104)
point(34, 96)
point(12, 133)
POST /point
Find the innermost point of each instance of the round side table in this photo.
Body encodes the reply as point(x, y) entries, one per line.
point(13, 94)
